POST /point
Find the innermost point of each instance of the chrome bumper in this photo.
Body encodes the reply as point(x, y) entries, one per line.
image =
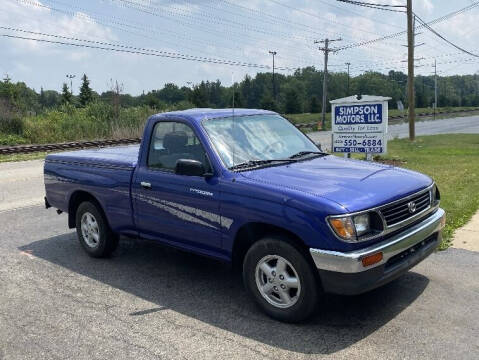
point(351, 262)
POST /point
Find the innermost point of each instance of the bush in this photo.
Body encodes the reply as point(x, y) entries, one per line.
point(10, 119)
point(94, 121)
point(11, 139)
point(11, 125)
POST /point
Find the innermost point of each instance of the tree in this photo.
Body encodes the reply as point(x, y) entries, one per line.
point(200, 95)
point(267, 102)
point(171, 94)
point(315, 105)
point(293, 103)
point(42, 99)
point(86, 93)
point(116, 91)
point(66, 95)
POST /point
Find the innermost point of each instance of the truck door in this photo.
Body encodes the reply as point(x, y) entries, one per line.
point(176, 208)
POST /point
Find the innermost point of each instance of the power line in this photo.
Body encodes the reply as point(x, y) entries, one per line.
point(400, 33)
point(89, 17)
point(206, 18)
point(361, 3)
point(153, 10)
point(443, 38)
point(286, 54)
point(150, 52)
point(375, 6)
point(319, 17)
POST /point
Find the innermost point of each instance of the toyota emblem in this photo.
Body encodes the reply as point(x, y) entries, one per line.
point(412, 207)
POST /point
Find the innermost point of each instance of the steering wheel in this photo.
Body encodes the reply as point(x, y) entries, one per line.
point(269, 148)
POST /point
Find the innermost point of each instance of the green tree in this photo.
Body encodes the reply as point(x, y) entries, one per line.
point(42, 99)
point(86, 93)
point(315, 105)
point(171, 94)
point(267, 102)
point(292, 102)
point(66, 95)
point(200, 95)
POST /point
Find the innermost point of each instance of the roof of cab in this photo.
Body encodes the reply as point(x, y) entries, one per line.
point(207, 113)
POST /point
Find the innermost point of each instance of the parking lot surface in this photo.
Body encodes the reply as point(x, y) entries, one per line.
point(149, 302)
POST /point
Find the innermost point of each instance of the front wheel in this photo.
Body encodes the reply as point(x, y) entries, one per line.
point(93, 231)
point(281, 280)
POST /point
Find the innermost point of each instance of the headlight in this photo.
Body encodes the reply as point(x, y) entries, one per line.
point(357, 227)
point(361, 223)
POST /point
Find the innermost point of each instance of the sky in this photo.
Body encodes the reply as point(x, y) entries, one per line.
point(236, 31)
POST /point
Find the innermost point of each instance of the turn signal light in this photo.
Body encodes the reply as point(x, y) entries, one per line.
point(372, 259)
point(344, 227)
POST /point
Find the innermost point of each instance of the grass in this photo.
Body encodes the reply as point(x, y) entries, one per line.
point(22, 157)
point(10, 139)
point(453, 162)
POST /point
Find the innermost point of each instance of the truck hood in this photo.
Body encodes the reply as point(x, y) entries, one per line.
point(355, 185)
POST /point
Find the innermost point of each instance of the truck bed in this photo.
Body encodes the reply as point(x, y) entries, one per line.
point(115, 157)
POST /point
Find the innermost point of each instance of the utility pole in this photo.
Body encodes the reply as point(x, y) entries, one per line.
point(410, 69)
point(326, 49)
point(274, 83)
point(348, 64)
point(435, 88)
point(71, 77)
point(7, 79)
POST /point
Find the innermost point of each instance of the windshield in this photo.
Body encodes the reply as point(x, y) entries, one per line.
point(256, 137)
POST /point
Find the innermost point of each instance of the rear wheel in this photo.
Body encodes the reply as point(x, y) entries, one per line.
point(281, 280)
point(93, 231)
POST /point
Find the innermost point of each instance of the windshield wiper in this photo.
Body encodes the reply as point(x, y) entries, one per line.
point(255, 163)
point(302, 153)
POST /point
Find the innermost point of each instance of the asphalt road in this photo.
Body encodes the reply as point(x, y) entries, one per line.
point(149, 301)
point(458, 125)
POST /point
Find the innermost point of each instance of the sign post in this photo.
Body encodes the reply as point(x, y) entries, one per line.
point(360, 125)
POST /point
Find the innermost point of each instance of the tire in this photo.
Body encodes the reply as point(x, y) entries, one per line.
point(93, 231)
point(288, 272)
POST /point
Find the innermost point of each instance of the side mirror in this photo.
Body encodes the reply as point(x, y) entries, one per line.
point(189, 167)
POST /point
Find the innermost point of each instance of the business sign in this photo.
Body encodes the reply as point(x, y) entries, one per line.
point(360, 127)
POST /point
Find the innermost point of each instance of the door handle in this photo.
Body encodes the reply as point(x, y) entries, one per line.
point(145, 185)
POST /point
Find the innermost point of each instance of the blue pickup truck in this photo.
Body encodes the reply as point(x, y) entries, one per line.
point(247, 187)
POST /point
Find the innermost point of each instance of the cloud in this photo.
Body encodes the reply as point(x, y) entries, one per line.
point(426, 5)
point(461, 29)
point(34, 16)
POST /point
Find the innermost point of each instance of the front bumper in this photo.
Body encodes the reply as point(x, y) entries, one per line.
point(344, 273)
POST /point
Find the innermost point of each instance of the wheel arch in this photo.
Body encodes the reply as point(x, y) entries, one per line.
point(74, 202)
point(251, 232)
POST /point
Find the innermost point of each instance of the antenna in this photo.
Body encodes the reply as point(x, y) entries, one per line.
point(234, 91)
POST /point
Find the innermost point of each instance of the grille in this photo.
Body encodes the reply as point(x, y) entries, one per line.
point(400, 211)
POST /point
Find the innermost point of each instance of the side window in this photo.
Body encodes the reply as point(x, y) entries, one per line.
point(172, 141)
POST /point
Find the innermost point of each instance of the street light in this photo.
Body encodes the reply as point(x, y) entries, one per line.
point(274, 84)
point(71, 77)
